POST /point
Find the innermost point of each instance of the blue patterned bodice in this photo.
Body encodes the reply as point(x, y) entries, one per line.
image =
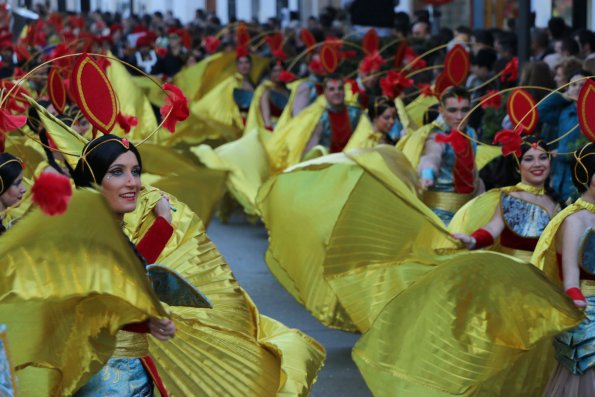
point(243, 98)
point(587, 251)
point(279, 99)
point(325, 138)
point(522, 217)
point(445, 179)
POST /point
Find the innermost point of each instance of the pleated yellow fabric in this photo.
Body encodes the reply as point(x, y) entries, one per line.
point(246, 161)
point(66, 139)
point(65, 291)
point(201, 188)
point(480, 324)
point(286, 146)
point(219, 112)
point(133, 102)
point(319, 193)
point(230, 349)
point(149, 89)
point(381, 223)
point(364, 136)
point(416, 109)
point(544, 256)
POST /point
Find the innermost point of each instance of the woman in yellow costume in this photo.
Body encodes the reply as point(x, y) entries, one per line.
point(225, 108)
point(383, 116)
point(567, 251)
point(232, 348)
point(517, 214)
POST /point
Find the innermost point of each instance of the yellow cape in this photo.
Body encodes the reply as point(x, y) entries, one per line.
point(321, 194)
point(479, 324)
point(245, 353)
point(81, 282)
point(544, 256)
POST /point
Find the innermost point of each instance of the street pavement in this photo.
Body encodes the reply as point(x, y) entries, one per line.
point(243, 245)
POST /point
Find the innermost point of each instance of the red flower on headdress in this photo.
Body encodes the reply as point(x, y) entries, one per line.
point(354, 86)
point(9, 122)
point(510, 72)
point(426, 89)
point(394, 83)
point(510, 140)
point(126, 122)
point(242, 52)
point(52, 192)
point(211, 44)
point(287, 77)
point(372, 63)
point(492, 99)
point(412, 60)
point(175, 108)
point(316, 67)
point(16, 101)
point(161, 52)
point(279, 55)
point(456, 138)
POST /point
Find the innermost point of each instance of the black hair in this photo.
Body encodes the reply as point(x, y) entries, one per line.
point(10, 168)
point(463, 29)
point(379, 105)
point(557, 27)
point(508, 41)
point(484, 37)
point(332, 76)
point(485, 57)
point(585, 36)
point(582, 165)
point(97, 156)
point(570, 46)
point(454, 92)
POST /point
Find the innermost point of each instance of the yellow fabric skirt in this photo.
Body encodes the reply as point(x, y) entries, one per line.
point(480, 324)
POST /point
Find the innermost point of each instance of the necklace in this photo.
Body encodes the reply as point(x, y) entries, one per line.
point(539, 191)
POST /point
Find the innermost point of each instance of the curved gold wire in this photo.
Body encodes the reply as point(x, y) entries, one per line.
point(38, 67)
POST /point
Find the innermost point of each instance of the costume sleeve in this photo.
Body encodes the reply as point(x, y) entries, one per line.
point(155, 239)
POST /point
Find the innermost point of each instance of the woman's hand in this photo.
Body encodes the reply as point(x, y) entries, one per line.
point(163, 208)
point(162, 329)
point(467, 240)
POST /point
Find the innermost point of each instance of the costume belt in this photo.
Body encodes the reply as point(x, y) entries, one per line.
point(131, 345)
point(588, 287)
point(446, 201)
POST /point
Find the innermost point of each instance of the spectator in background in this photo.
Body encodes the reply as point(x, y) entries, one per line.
point(481, 38)
point(540, 45)
point(563, 71)
point(570, 47)
point(482, 65)
point(555, 57)
point(380, 16)
point(505, 44)
point(421, 30)
point(586, 40)
point(557, 28)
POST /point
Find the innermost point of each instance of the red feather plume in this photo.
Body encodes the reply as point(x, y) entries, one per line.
point(52, 192)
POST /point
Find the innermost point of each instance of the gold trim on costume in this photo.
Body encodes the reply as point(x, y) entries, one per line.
point(131, 345)
point(447, 201)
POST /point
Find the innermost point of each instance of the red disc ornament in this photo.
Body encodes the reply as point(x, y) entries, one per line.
point(456, 65)
point(57, 90)
point(329, 57)
point(94, 94)
point(522, 110)
point(442, 82)
point(586, 117)
point(371, 41)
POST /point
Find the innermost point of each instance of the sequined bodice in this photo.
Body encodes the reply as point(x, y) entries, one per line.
point(522, 217)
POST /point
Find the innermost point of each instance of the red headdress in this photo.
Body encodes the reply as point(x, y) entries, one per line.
point(242, 41)
point(275, 42)
point(522, 111)
point(308, 39)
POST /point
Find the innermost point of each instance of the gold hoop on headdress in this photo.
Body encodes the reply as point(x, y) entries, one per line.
point(579, 161)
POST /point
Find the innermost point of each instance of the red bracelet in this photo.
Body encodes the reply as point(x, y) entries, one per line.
point(576, 294)
point(483, 238)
